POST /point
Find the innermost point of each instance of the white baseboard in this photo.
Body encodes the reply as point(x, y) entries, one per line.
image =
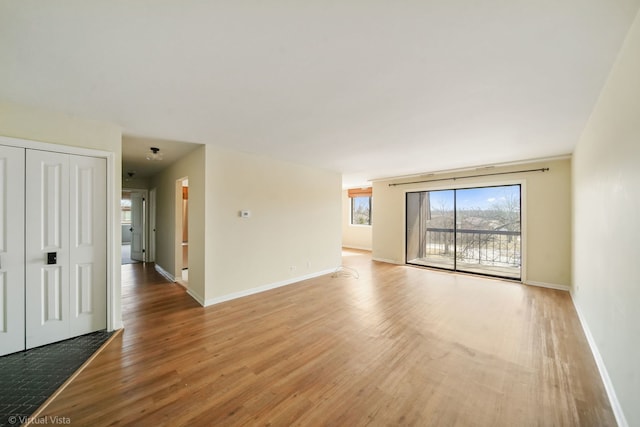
point(388, 261)
point(360, 248)
point(196, 297)
point(165, 273)
point(235, 295)
point(604, 374)
point(547, 285)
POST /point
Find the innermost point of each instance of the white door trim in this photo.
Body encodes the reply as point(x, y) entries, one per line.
point(114, 321)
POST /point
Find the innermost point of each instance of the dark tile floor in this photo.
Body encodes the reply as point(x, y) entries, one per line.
point(29, 377)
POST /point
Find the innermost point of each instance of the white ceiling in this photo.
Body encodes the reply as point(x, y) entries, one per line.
point(369, 88)
point(135, 150)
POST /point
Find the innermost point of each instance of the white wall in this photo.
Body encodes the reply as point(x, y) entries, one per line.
point(293, 231)
point(546, 214)
point(606, 188)
point(354, 236)
point(53, 127)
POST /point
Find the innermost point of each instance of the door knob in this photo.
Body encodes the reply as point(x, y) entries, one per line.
point(131, 229)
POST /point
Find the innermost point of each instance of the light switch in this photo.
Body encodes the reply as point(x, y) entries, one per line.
point(245, 214)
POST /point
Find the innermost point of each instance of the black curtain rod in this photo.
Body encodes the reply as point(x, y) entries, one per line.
point(468, 176)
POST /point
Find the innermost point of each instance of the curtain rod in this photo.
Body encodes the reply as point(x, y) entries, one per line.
point(468, 176)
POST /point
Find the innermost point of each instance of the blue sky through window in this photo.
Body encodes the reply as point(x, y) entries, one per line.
point(361, 203)
point(475, 198)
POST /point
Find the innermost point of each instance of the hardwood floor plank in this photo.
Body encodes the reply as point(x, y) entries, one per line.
point(397, 346)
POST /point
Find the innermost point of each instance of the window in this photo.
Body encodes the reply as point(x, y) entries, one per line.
point(125, 210)
point(360, 205)
point(361, 210)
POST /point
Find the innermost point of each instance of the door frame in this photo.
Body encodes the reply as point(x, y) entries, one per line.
point(114, 320)
point(178, 221)
point(145, 220)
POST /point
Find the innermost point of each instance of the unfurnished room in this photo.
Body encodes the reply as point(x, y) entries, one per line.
point(320, 213)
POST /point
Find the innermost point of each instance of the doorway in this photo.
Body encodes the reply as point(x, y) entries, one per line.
point(182, 230)
point(473, 230)
point(133, 207)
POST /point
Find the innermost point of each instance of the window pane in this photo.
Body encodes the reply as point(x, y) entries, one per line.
point(361, 210)
point(488, 230)
point(430, 231)
point(125, 217)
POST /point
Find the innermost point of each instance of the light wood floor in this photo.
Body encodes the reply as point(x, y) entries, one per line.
point(398, 346)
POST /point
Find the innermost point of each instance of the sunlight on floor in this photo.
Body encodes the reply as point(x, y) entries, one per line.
point(353, 252)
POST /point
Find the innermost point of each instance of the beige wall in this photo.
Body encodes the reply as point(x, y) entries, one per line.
point(606, 182)
point(546, 217)
point(52, 127)
point(293, 231)
point(168, 248)
point(295, 217)
point(354, 236)
point(136, 183)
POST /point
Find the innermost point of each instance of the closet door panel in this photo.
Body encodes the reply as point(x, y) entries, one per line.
point(88, 255)
point(47, 247)
point(12, 327)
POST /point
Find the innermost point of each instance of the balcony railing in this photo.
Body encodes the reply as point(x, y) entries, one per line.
point(486, 247)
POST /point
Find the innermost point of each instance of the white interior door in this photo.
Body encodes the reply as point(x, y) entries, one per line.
point(151, 250)
point(47, 247)
point(11, 250)
point(88, 244)
point(137, 226)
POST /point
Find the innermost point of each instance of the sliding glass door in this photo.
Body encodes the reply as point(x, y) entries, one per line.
point(475, 230)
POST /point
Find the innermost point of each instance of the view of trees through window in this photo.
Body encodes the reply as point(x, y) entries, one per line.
point(474, 229)
point(361, 210)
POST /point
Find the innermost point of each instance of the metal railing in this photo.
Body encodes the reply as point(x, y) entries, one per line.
point(486, 247)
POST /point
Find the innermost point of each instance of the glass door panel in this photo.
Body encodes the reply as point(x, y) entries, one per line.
point(430, 232)
point(488, 231)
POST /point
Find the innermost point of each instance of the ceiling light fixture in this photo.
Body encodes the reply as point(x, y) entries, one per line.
point(155, 154)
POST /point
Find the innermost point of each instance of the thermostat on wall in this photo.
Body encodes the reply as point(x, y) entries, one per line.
point(245, 214)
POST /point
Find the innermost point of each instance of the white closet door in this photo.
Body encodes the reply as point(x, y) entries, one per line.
point(11, 250)
point(88, 290)
point(47, 247)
